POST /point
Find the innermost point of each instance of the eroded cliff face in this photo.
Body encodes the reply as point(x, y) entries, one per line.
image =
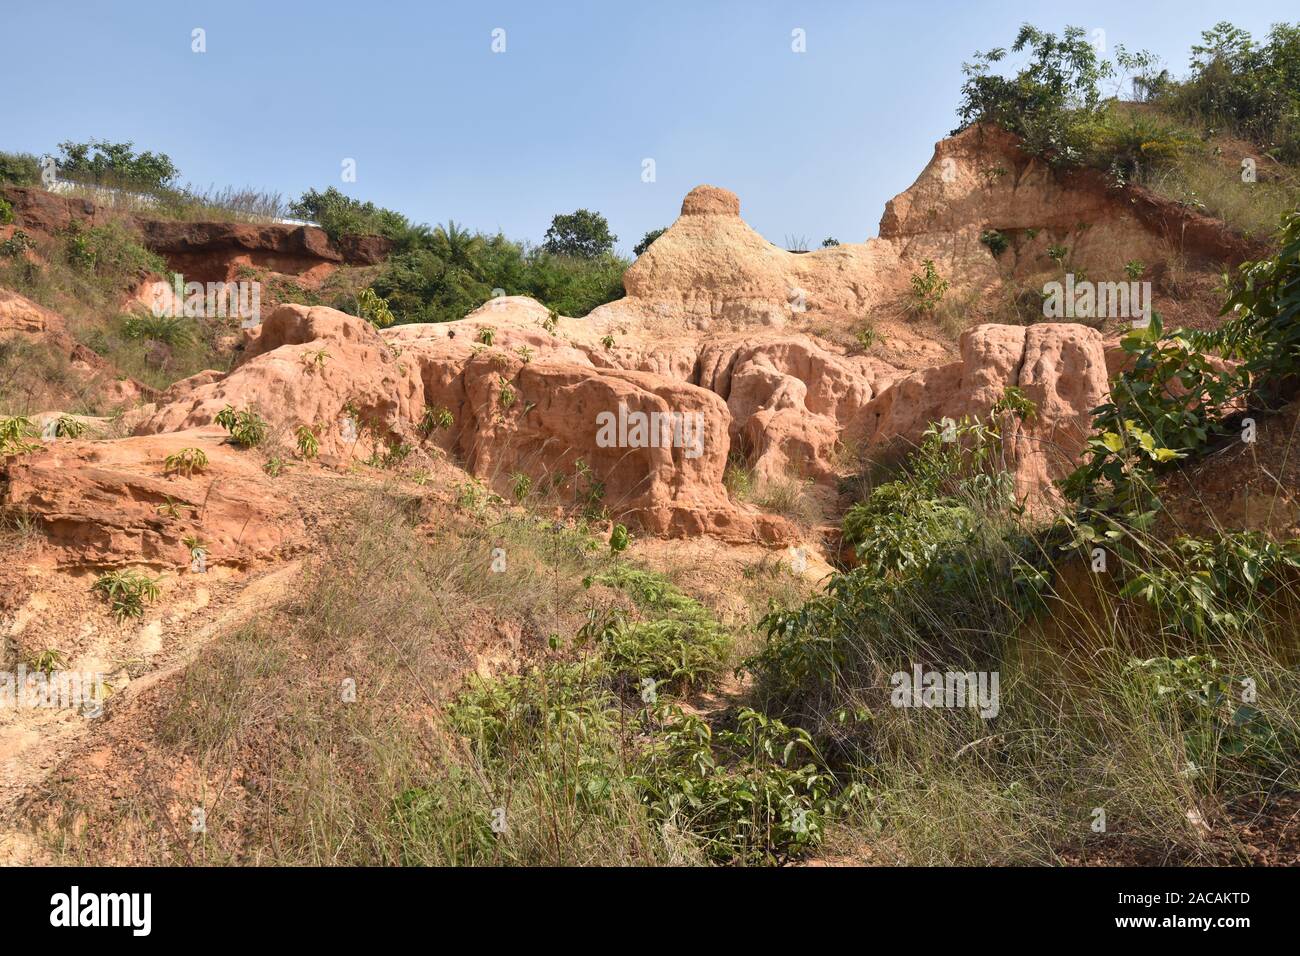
point(721, 353)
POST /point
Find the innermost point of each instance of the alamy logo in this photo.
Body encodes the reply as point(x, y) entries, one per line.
point(213, 300)
point(62, 690)
point(651, 430)
point(1096, 300)
point(103, 909)
point(950, 689)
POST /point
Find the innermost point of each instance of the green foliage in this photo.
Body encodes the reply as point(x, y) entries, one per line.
point(487, 335)
point(126, 591)
point(65, 426)
point(678, 644)
point(14, 432)
point(830, 242)
point(16, 245)
point(6, 212)
point(434, 417)
point(931, 546)
point(19, 169)
point(340, 215)
point(116, 165)
point(928, 289)
point(170, 330)
point(581, 234)
point(619, 539)
point(308, 443)
point(507, 397)
point(646, 241)
point(373, 308)
point(1047, 100)
point(997, 243)
point(752, 794)
point(1245, 86)
point(186, 461)
point(521, 486)
point(246, 427)
point(110, 252)
point(47, 661)
point(1214, 586)
point(1198, 697)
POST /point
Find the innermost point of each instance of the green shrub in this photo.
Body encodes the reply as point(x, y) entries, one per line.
point(246, 427)
point(186, 461)
point(19, 169)
point(997, 243)
point(928, 289)
point(170, 330)
point(127, 592)
point(753, 794)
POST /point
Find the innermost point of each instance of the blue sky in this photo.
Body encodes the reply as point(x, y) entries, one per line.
point(441, 127)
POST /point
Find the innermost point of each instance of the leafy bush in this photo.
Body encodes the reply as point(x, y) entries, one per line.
point(928, 288)
point(14, 432)
point(679, 645)
point(19, 169)
point(65, 426)
point(997, 243)
point(186, 461)
point(374, 309)
point(435, 417)
point(308, 443)
point(170, 330)
point(1250, 88)
point(340, 215)
point(127, 592)
point(755, 794)
point(16, 245)
point(246, 427)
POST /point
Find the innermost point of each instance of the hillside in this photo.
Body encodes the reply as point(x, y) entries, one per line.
point(658, 582)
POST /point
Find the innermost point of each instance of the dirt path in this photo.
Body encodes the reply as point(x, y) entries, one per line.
point(195, 610)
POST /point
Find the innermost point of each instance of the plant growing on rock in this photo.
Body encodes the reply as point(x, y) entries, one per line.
point(486, 335)
point(997, 243)
point(308, 443)
point(14, 432)
point(434, 417)
point(525, 353)
point(186, 461)
point(126, 592)
point(607, 341)
point(508, 395)
point(551, 322)
point(68, 427)
point(246, 427)
point(315, 358)
point(928, 289)
point(47, 661)
point(275, 466)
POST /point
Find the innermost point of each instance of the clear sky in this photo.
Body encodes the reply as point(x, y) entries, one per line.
point(441, 127)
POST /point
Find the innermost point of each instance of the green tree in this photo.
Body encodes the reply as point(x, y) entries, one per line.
point(582, 234)
point(341, 215)
point(647, 240)
point(116, 164)
point(1049, 101)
